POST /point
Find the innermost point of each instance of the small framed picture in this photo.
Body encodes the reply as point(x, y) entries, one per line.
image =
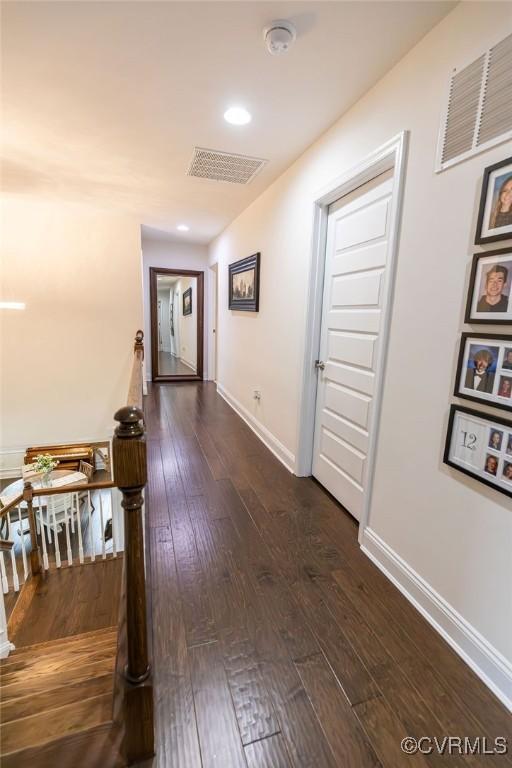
point(489, 299)
point(479, 445)
point(187, 301)
point(484, 369)
point(495, 212)
point(244, 284)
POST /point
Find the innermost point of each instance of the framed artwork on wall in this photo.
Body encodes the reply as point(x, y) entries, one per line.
point(480, 446)
point(244, 284)
point(484, 369)
point(187, 301)
point(495, 212)
point(489, 298)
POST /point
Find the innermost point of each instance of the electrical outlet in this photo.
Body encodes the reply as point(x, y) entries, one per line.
point(257, 394)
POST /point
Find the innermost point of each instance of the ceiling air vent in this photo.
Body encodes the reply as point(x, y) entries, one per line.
point(479, 111)
point(224, 166)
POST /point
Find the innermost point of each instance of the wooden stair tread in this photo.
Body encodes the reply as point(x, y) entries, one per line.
point(54, 698)
point(35, 661)
point(45, 727)
point(30, 686)
point(51, 645)
point(65, 663)
point(99, 746)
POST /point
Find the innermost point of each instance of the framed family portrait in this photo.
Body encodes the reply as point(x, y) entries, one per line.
point(480, 446)
point(489, 299)
point(484, 369)
point(187, 301)
point(244, 284)
point(495, 212)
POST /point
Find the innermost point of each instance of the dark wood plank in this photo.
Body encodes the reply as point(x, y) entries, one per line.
point(268, 753)
point(218, 732)
point(251, 699)
point(175, 722)
point(347, 740)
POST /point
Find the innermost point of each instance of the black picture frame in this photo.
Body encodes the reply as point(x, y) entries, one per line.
point(480, 239)
point(500, 341)
point(503, 256)
point(241, 303)
point(187, 295)
point(494, 424)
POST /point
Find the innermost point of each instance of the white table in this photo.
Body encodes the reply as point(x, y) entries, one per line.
point(16, 488)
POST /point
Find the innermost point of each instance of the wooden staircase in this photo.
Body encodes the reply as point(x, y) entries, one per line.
point(56, 704)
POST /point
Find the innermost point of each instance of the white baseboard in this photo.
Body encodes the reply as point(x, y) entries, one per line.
point(280, 451)
point(485, 660)
point(186, 362)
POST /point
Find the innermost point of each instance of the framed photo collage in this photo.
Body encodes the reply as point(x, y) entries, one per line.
point(477, 443)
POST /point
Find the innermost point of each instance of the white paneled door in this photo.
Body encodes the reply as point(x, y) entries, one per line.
point(358, 231)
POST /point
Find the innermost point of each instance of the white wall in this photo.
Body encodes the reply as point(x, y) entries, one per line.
point(169, 254)
point(66, 359)
point(450, 530)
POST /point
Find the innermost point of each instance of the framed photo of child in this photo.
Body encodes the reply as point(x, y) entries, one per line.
point(489, 297)
point(484, 370)
point(495, 212)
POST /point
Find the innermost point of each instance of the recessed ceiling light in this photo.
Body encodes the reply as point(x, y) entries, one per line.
point(183, 228)
point(237, 116)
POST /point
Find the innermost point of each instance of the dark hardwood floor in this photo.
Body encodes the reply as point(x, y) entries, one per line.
point(276, 641)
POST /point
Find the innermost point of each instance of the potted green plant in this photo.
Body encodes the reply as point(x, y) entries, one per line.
point(45, 464)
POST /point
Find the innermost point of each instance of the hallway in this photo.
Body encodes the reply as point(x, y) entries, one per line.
point(277, 643)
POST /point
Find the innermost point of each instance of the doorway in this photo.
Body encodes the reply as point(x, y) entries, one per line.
point(177, 312)
point(356, 233)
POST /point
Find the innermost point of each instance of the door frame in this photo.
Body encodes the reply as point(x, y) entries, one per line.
point(153, 272)
point(390, 156)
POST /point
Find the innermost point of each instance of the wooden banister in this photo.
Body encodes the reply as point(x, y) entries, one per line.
point(129, 457)
point(135, 387)
point(11, 505)
point(35, 556)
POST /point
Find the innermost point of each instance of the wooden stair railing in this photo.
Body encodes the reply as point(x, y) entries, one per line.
point(134, 702)
point(133, 695)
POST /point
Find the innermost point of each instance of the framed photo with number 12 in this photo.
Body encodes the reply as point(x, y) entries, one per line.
point(480, 446)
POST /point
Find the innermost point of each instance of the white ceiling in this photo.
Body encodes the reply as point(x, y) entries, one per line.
point(104, 101)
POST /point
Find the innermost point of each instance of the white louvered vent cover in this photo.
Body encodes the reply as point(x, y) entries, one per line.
point(223, 166)
point(479, 111)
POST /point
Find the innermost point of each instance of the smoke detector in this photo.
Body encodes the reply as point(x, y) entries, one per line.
point(279, 36)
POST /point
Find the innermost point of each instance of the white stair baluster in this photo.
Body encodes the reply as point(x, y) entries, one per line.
point(93, 553)
point(43, 536)
point(113, 512)
point(15, 579)
point(23, 553)
point(103, 553)
point(68, 511)
point(3, 573)
point(79, 528)
point(58, 563)
point(72, 499)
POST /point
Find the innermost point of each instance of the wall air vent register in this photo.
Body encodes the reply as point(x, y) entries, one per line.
point(224, 166)
point(479, 110)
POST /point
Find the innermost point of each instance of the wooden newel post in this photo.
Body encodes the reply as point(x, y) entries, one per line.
point(130, 475)
point(139, 342)
point(35, 560)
